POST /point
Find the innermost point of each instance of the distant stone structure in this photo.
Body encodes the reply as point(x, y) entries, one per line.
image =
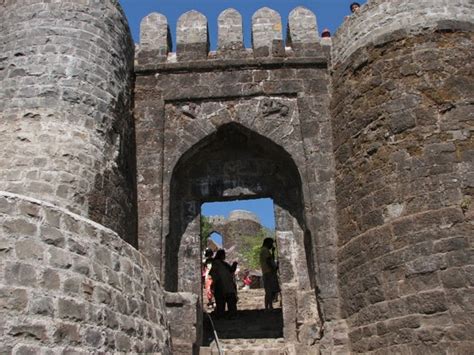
point(232, 230)
point(364, 142)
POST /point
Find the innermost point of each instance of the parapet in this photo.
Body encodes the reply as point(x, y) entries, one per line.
point(192, 37)
point(379, 20)
point(217, 220)
point(238, 215)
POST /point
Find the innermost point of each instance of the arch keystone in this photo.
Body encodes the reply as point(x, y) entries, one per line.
point(302, 31)
point(230, 36)
point(267, 37)
point(155, 39)
point(192, 38)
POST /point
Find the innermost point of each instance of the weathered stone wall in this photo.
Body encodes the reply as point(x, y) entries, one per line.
point(403, 122)
point(185, 312)
point(239, 224)
point(235, 123)
point(65, 93)
point(68, 284)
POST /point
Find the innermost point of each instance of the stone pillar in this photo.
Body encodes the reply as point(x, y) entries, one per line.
point(402, 122)
point(65, 96)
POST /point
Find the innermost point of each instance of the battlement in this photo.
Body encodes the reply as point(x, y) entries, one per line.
point(235, 215)
point(238, 215)
point(192, 37)
point(217, 219)
point(378, 20)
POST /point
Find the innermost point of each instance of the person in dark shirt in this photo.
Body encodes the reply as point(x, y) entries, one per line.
point(269, 272)
point(225, 290)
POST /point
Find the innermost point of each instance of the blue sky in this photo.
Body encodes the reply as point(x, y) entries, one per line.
point(329, 13)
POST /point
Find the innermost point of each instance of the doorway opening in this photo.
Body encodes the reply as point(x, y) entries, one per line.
point(240, 226)
point(237, 163)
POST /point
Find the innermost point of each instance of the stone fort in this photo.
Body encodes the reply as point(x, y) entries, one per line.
point(363, 141)
point(238, 225)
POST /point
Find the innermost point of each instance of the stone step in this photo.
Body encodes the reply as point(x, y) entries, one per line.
point(273, 346)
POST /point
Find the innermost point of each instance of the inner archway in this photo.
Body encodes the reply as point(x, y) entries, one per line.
point(237, 163)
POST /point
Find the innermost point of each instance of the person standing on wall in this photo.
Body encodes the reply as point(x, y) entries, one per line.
point(225, 290)
point(269, 272)
point(355, 7)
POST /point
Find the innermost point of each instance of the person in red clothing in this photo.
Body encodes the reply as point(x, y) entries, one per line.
point(247, 280)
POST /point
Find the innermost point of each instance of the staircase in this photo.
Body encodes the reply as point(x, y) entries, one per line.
point(252, 331)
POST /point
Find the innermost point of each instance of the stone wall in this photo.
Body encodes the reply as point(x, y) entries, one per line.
point(65, 96)
point(238, 123)
point(239, 224)
point(402, 110)
point(68, 284)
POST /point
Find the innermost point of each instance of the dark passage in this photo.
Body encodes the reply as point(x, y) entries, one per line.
point(251, 322)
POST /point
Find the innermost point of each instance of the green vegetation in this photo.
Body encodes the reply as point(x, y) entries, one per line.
point(251, 245)
point(206, 230)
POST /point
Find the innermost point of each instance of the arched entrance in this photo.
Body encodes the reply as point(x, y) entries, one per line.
point(235, 162)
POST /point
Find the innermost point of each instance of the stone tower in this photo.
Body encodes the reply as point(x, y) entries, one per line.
point(403, 119)
point(68, 283)
point(234, 229)
point(364, 144)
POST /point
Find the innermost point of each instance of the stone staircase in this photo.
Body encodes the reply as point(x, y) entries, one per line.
point(252, 331)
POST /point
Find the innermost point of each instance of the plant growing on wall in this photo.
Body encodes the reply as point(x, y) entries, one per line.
point(206, 230)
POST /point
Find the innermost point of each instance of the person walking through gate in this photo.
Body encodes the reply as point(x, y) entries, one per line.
point(225, 290)
point(269, 272)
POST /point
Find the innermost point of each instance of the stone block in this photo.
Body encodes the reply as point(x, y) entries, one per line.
point(20, 274)
point(93, 337)
point(52, 236)
point(67, 333)
point(59, 258)
point(50, 280)
point(29, 330)
point(20, 227)
point(42, 306)
point(122, 342)
point(29, 250)
point(71, 309)
point(14, 299)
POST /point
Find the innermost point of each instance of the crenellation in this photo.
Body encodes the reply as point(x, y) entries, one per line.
point(302, 32)
point(192, 38)
point(267, 36)
point(230, 34)
point(155, 36)
point(302, 41)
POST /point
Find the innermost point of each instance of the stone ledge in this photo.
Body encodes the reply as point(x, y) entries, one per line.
point(231, 64)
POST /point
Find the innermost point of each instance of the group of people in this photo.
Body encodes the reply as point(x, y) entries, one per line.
point(355, 7)
point(219, 279)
